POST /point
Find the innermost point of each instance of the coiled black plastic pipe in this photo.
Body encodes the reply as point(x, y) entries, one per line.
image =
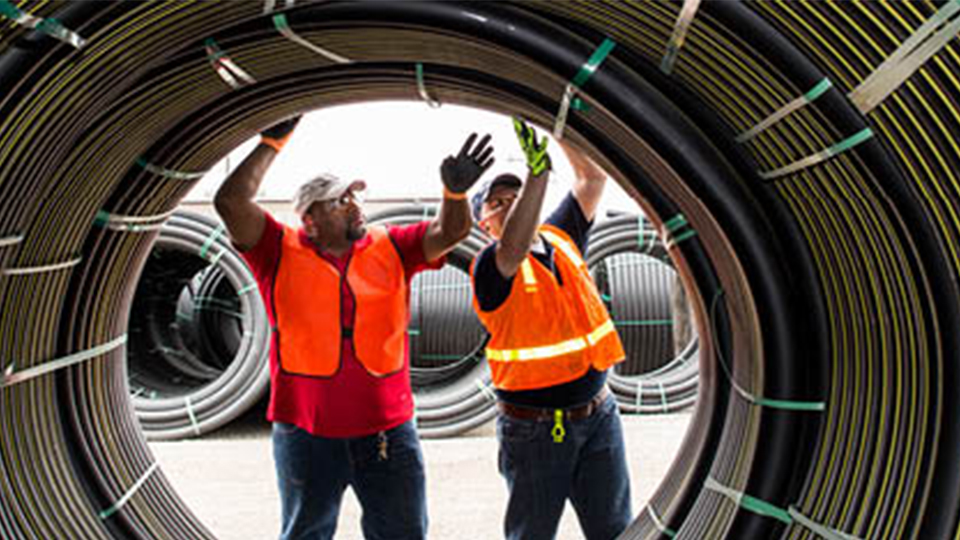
point(834, 285)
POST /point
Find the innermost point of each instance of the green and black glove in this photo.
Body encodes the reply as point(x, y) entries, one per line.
point(538, 160)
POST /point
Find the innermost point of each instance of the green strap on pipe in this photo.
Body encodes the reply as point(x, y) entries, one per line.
point(422, 88)
point(818, 90)
point(190, 413)
point(781, 404)
point(583, 75)
point(225, 67)
point(134, 224)
point(650, 322)
point(760, 507)
point(850, 142)
point(50, 27)
point(593, 63)
point(208, 243)
point(798, 103)
point(216, 258)
point(821, 156)
point(248, 288)
point(675, 230)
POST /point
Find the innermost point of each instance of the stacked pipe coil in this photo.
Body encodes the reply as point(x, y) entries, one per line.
point(198, 355)
point(448, 369)
point(631, 267)
point(809, 196)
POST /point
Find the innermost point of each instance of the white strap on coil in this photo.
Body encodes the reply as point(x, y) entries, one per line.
point(10, 377)
point(932, 36)
point(41, 269)
point(283, 26)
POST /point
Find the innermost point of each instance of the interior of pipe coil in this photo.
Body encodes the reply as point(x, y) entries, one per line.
point(835, 285)
point(185, 325)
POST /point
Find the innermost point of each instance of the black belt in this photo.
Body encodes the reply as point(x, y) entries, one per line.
point(548, 415)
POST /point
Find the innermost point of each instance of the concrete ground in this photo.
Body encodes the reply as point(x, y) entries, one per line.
point(227, 478)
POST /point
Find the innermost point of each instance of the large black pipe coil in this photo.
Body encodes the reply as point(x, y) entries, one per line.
point(199, 337)
point(630, 264)
point(833, 284)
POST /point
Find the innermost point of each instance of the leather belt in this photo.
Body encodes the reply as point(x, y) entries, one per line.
point(547, 415)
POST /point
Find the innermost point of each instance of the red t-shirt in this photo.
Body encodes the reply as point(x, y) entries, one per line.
point(352, 403)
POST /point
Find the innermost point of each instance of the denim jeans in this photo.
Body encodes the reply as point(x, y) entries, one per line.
point(589, 467)
point(385, 471)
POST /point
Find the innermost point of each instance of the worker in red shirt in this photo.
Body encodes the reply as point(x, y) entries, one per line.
point(337, 297)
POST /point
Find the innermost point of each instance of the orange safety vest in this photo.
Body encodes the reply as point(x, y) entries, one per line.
point(546, 334)
point(307, 306)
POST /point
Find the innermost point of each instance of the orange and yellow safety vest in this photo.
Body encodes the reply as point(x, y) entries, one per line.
point(546, 334)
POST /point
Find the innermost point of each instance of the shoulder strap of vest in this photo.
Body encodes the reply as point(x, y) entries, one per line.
point(379, 233)
point(561, 241)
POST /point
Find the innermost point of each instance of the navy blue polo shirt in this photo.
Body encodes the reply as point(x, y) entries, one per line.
point(492, 289)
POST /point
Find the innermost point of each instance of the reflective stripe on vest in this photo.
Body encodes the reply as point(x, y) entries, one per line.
point(557, 349)
point(529, 279)
point(564, 246)
point(553, 327)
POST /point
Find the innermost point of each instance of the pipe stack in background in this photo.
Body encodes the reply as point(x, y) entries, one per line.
point(199, 336)
point(635, 278)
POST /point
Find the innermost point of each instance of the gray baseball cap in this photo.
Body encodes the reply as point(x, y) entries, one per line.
point(325, 187)
point(481, 196)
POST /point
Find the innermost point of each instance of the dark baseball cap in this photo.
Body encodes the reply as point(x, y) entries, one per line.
point(481, 196)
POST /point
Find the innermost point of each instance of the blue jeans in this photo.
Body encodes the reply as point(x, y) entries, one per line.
point(589, 467)
point(385, 471)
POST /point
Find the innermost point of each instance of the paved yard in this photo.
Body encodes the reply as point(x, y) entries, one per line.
point(228, 480)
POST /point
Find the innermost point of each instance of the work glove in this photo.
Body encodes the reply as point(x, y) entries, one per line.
point(278, 134)
point(460, 173)
point(538, 160)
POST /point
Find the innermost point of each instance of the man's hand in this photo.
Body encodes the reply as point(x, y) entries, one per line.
point(278, 134)
point(538, 160)
point(460, 173)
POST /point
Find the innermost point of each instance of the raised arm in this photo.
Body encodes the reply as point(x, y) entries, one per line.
point(459, 174)
point(589, 182)
point(520, 227)
point(234, 200)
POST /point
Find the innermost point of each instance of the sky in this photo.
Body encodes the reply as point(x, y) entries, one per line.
point(397, 148)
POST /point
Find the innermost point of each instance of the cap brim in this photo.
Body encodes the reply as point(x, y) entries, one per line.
point(506, 181)
point(356, 185)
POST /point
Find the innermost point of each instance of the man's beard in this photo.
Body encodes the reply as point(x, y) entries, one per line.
point(356, 233)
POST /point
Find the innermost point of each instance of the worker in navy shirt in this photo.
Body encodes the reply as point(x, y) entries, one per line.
point(552, 342)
